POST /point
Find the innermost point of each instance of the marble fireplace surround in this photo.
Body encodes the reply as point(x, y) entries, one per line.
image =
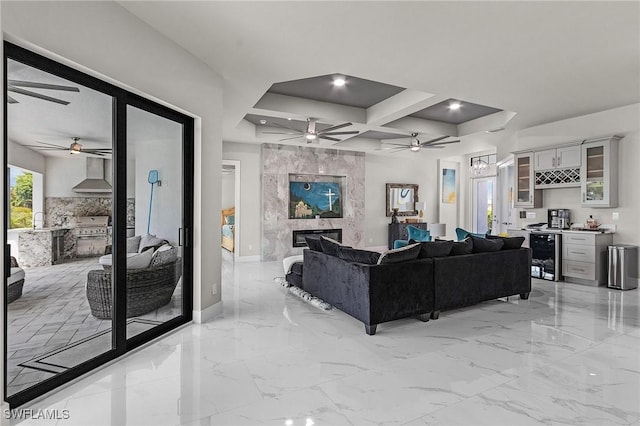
point(278, 161)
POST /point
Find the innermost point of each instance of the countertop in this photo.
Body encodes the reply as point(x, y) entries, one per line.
point(61, 228)
point(563, 231)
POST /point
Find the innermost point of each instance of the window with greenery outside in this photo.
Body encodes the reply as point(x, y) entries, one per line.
point(21, 200)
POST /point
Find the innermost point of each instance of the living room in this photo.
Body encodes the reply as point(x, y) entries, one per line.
point(563, 80)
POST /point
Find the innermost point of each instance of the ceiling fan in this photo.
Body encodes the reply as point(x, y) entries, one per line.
point(16, 86)
point(74, 148)
point(415, 145)
point(311, 134)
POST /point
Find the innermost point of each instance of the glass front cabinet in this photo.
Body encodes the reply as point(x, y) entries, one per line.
point(599, 173)
point(526, 195)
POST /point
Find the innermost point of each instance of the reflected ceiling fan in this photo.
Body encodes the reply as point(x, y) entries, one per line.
point(311, 134)
point(415, 145)
point(16, 86)
point(74, 148)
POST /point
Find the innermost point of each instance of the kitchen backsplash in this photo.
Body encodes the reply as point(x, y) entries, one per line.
point(62, 211)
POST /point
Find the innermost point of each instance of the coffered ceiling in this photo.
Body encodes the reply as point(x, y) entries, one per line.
point(514, 64)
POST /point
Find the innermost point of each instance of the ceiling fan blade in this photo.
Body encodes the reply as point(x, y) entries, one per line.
point(49, 144)
point(97, 150)
point(329, 138)
point(353, 132)
point(36, 95)
point(433, 146)
point(339, 126)
point(396, 144)
point(433, 140)
point(287, 139)
point(281, 133)
point(394, 150)
point(284, 127)
point(47, 86)
point(11, 100)
point(440, 143)
point(45, 148)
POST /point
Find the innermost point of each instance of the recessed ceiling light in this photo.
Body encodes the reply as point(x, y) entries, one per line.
point(339, 81)
point(454, 106)
point(289, 118)
point(263, 121)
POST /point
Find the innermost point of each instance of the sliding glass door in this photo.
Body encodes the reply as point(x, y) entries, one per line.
point(99, 199)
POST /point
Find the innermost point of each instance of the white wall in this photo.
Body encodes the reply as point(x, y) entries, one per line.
point(250, 189)
point(228, 189)
point(103, 39)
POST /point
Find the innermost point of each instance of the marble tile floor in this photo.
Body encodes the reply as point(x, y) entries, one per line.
point(53, 312)
point(568, 355)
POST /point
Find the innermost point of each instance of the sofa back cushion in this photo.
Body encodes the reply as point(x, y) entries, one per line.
point(133, 244)
point(510, 243)
point(434, 249)
point(360, 256)
point(484, 245)
point(463, 233)
point(462, 247)
point(313, 243)
point(409, 252)
point(330, 246)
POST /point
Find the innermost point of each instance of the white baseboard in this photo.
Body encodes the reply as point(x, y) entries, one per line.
point(256, 258)
point(208, 313)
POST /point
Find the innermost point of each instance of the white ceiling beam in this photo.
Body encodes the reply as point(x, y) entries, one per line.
point(420, 125)
point(488, 122)
point(400, 105)
point(325, 111)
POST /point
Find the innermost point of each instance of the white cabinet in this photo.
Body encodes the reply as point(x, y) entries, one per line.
point(558, 158)
point(599, 173)
point(584, 257)
point(526, 195)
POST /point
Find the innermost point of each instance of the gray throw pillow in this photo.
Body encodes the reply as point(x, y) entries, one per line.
point(400, 255)
point(510, 243)
point(150, 241)
point(329, 246)
point(313, 243)
point(133, 244)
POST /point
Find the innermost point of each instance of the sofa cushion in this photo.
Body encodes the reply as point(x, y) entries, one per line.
point(510, 243)
point(434, 249)
point(462, 247)
point(150, 241)
point(165, 254)
point(17, 274)
point(329, 245)
point(313, 243)
point(139, 260)
point(359, 256)
point(409, 252)
point(483, 245)
point(133, 244)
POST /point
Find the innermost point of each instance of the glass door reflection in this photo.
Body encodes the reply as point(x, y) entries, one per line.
point(154, 252)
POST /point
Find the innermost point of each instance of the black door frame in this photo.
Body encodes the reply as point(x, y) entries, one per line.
point(121, 98)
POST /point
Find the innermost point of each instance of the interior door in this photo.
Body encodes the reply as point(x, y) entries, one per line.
point(505, 217)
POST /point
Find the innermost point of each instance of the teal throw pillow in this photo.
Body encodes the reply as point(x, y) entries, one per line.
point(418, 234)
point(231, 220)
point(463, 233)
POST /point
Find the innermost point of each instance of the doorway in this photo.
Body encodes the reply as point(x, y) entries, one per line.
point(484, 196)
point(111, 162)
point(231, 209)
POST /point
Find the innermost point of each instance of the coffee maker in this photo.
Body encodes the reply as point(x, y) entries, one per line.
point(559, 218)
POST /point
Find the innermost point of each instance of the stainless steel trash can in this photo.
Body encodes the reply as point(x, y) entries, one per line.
point(623, 267)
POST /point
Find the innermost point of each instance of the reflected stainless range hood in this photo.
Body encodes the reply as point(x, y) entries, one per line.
point(95, 178)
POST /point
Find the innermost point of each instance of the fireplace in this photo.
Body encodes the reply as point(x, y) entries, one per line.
point(298, 236)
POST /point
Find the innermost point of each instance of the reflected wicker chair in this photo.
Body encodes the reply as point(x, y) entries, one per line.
point(147, 289)
point(15, 282)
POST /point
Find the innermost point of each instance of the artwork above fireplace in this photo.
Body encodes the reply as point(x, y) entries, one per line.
point(315, 196)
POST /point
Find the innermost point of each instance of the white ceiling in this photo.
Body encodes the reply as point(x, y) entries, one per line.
point(542, 60)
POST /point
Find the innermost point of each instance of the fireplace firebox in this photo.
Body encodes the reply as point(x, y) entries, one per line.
point(298, 236)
